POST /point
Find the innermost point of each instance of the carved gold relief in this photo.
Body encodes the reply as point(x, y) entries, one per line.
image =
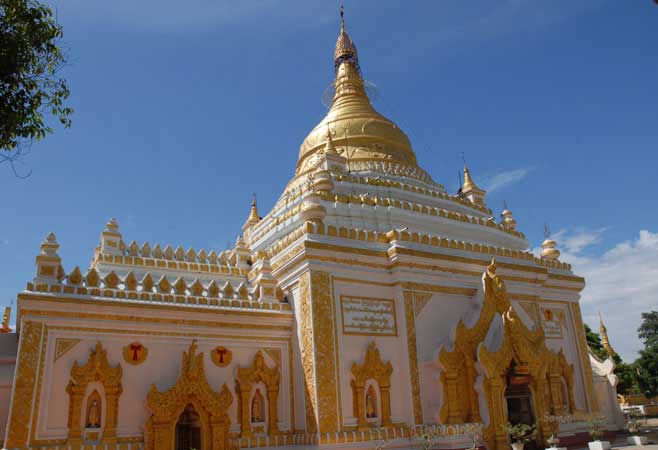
point(410, 317)
point(373, 368)
point(97, 369)
point(221, 356)
point(520, 346)
point(63, 345)
point(246, 378)
point(191, 388)
point(26, 374)
point(135, 353)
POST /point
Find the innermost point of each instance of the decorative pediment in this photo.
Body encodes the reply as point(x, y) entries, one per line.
point(373, 368)
point(97, 369)
point(192, 383)
point(259, 371)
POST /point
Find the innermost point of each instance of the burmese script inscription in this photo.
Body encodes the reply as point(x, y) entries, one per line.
point(368, 316)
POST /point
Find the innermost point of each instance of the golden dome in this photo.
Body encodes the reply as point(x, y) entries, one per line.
point(358, 131)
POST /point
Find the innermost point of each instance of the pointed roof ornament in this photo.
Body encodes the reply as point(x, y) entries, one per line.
point(345, 48)
point(470, 190)
point(253, 218)
point(604, 337)
point(329, 147)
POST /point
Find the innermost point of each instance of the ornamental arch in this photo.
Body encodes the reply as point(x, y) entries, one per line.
point(97, 370)
point(548, 373)
point(191, 389)
point(372, 369)
point(247, 378)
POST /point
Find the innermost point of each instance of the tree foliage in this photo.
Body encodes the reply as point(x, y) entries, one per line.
point(647, 363)
point(648, 331)
point(594, 342)
point(30, 57)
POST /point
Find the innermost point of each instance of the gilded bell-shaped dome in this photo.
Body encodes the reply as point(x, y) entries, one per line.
point(356, 130)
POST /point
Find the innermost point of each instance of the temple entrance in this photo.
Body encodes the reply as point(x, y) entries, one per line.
point(518, 398)
point(188, 430)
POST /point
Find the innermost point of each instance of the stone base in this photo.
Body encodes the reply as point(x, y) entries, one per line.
point(637, 440)
point(599, 445)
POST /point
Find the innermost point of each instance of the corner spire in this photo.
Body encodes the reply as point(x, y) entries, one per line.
point(253, 218)
point(470, 190)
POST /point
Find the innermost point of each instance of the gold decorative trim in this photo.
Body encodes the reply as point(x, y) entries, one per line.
point(420, 300)
point(24, 385)
point(63, 345)
point(373, 368)
point(410, 317)
point(275, 354)
point(140, 319)
point(324, 351)
point(97, 369)
point(246, 378)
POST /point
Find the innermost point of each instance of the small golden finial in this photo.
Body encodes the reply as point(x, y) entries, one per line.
point(5, 319)
point(604, 337)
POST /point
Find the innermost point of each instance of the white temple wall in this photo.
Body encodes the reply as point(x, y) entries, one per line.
point(434, 326)
point(352, 347)
point(161, 367)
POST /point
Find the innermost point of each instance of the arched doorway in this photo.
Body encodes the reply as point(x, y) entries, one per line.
point(188, 430)
point(518, 398)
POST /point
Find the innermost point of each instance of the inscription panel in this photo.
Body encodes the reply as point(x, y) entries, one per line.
point(368, 316)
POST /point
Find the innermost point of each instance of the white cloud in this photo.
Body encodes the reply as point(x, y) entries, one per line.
point(575, 242)
point(504, 179)
point(622, 283)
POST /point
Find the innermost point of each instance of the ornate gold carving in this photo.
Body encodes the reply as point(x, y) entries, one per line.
point(246, 378)
point(275, 354)
point(191, 388)
point(420, 300)
point(135, 353)
point(63, 345)
point(410, 317)
point(26, 377)
point(520, 346)
point(306, 326)
point(373, 368)
point(97, 369)
point(221, 356)
point(324, 351)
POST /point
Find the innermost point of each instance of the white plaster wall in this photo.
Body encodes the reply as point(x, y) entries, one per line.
point(352, 349)
point(434, 326)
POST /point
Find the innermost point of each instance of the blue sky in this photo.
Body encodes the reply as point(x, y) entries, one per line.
point(183, 110)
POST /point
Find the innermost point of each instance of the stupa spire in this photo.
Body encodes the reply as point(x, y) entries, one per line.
point(470, 190)
point(253, 218)
point(345, 48)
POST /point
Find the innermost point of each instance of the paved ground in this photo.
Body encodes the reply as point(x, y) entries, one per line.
point(649, 429)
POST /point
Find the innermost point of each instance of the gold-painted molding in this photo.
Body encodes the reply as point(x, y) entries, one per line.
point(24, 384)
point(410, 317)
